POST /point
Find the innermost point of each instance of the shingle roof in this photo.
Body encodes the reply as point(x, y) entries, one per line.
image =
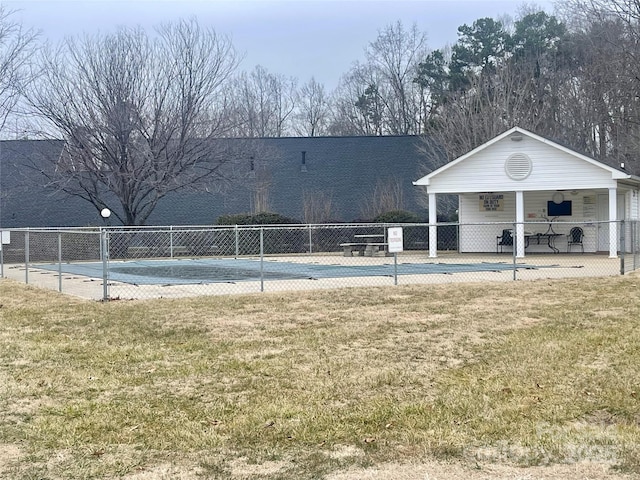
point(345, 168)
point(24, 202)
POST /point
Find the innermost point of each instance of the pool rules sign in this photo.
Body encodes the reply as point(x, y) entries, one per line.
point(394, 239)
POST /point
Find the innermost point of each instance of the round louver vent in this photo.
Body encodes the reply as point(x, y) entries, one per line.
point(518, 166)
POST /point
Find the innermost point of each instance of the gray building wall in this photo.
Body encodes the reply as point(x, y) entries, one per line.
point(345, 169)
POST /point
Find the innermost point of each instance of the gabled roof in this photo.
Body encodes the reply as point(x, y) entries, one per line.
point(615, 173)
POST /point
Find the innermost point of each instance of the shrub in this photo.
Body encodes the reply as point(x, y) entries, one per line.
point(275, 240)
point(397, 216)
point(262, 218)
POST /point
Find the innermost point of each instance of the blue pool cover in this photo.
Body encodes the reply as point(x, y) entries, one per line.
point(190, 271)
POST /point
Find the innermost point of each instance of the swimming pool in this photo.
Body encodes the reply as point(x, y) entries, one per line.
point(202, 271)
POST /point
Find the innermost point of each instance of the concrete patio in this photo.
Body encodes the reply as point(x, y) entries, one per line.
point(533, 267)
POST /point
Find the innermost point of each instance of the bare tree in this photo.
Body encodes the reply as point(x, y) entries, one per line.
point(380, 96)
point(138, 114)
point(607, 77)
point(264, 103)
point(313, 110)
point(259, 182)
point(395, 54)
point(387, 196)
point(358, 107)
point(317, 207)
point(17, 47)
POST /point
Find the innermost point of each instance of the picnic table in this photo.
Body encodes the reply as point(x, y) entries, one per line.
point(366, 244)
point(548, 238)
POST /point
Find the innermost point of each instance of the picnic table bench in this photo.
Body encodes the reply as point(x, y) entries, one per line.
point(368, 245)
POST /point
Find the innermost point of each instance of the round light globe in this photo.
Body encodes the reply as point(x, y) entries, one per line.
point(105, 213)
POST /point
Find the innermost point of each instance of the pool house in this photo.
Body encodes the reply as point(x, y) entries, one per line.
point(541, 188)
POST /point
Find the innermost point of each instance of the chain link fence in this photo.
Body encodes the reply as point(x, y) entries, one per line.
point(117, 262)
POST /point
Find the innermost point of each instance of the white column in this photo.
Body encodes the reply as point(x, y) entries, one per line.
point(520, 240)
point(433, 230)
point(613, 227)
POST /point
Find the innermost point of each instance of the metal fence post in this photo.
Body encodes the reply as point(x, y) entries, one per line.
point(395, 268)
point(171, 241)
point(632, 244)
point(632, 240)
point(310, 244)
point(1, 255)
point(237, 241)
point(104, 251)
point(622, 246)
point(26, 257)
point(514, 248)
point(262, 259)
point(60, 262)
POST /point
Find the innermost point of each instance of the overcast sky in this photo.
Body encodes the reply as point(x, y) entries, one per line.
point(303, 38)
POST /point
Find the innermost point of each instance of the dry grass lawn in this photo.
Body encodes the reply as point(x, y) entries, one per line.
point(522, 380)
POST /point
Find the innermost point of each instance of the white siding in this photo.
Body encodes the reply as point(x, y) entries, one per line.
point(481, 228)
point(552, 169)
point(632, 200)
point(631, 213)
